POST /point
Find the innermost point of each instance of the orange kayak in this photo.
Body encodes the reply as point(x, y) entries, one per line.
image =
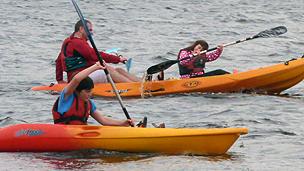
point(57, 138)
point(270, 80)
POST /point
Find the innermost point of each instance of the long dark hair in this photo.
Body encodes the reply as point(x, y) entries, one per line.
point(203, 43)
point(79, 24)
point(85, 84)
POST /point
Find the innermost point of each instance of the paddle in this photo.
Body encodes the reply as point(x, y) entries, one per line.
point(263, 34)
point(100, 59)
point(127, 63)
point(113, 50)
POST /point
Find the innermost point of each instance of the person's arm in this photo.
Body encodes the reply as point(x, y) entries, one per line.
point(211, 56)
point(106, 121)
point(71, 87)
point(83, 48)
point(109, 58)
point(186, 62)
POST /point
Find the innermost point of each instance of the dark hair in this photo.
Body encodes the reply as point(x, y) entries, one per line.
point(79, 24)
point(203, 43)
point(85, 84)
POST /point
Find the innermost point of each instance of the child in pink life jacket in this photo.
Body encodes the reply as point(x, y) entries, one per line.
point(194, 66)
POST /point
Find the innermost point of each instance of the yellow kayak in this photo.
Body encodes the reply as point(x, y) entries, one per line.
point(270, 80)
point(56, 138)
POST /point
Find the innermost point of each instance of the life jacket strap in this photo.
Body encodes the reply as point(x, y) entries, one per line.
point(67, 120)
point(73, 62)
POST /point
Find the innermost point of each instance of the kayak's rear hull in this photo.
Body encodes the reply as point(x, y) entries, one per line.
point(57, 138)
point(271, 80)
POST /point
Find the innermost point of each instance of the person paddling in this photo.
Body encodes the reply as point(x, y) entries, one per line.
point(194, 66)
point(74, 105)
point(76, 54)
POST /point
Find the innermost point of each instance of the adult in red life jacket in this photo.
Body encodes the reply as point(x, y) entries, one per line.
point(194, 66)
point(76, 54)
point(74, 105)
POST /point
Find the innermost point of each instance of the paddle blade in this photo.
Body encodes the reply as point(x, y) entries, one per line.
point(161, 66)
point(272, 32)
point(128, 64)
point(113, 50)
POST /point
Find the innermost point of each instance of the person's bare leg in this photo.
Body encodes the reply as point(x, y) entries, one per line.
point(117, 77)
point(128, 75)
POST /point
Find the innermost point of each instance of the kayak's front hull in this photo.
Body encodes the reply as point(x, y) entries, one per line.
point(57, 138)
point(270, 80)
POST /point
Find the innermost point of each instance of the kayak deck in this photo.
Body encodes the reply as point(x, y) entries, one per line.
point(56, 138)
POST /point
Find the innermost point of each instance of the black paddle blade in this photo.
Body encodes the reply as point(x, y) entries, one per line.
point(272, 32)
point(161, 66)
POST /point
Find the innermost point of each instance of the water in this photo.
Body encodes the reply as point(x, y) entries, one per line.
point(150, 32)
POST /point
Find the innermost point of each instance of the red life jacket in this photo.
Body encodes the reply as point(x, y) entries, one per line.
point(63, 52)
point(78, 113)
point(72, 63)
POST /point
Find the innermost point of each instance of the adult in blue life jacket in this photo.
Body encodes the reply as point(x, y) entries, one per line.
point(74, 105)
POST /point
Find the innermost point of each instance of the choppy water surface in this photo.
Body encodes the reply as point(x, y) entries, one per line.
point(150, 32)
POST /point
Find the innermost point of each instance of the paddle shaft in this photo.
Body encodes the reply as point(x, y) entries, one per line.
point(266, 33)
point(165, 65)
point(224, 45)
point(127, 63)
point(101, 60)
